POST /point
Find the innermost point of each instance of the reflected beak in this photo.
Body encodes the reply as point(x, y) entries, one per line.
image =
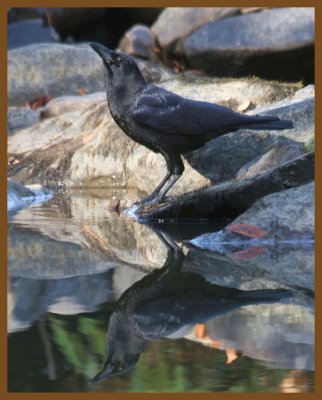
point(105, 53)
point(104, 374)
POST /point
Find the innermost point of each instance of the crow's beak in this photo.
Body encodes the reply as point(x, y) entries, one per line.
point(104, 374)
point(103, 52)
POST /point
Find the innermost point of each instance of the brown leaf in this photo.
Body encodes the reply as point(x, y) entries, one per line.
point(39, 102)
point(81, 91)
point(247, 254)
point(246, 230)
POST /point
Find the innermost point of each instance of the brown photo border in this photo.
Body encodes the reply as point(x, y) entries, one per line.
point(4, 5)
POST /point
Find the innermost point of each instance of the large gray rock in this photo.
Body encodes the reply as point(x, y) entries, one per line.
point(291, 210)
point(177, 22)
point(81, 144)
point(138, 42)
point(273, 43)
point(287, 246)
point(58, 69)
point(273, 158)
point(54, 69)
point(21, 117)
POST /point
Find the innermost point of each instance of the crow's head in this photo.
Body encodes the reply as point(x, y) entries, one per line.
point(120, 68)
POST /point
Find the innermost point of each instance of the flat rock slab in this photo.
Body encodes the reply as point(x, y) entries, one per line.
point(231, 198)
point(273, 43)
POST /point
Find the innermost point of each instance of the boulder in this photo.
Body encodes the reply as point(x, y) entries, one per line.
point(276, 156)
point(178, 22)
point(60, 69)
point(20, 118)
point(286, 248)
point(275, 44)
point(54, 69)
point(137, 42)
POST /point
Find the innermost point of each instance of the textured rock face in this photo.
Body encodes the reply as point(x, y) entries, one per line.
point(254, 44)
point(58, 69)
point(54, 69)
point(274, 157)
point(175, 23)
point(292, 210)
point(137, 42)
point(287, 247)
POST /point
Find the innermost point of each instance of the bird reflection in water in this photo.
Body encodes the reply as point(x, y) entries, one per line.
point(164, 302)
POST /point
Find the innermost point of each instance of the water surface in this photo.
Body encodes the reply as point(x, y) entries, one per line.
point(71, 259)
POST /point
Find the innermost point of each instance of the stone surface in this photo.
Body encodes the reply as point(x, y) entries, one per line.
point(274, 43)
point(177, 22)
point(273, 158)
point(21, 117)
point(286, 249)
point(54, 69)
point(292, 210)
point(59, 69)
point(137, 41)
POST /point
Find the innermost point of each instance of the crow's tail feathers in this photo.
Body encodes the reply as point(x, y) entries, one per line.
point(268, 123)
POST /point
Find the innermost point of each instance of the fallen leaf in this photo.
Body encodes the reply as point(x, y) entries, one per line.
point(245, 105)
point(81, 91)
point(200, 331)
point(39, 102)
point(247, 254)
point(246, 230)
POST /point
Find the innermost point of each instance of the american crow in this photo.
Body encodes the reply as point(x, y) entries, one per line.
point(165, 122)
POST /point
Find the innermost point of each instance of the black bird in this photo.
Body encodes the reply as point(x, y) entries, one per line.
point(165, 122)
point(162, 303)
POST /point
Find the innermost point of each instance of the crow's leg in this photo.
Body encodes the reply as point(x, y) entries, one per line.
point(175, 169)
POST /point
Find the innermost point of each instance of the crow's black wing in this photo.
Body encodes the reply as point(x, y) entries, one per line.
point(169, 113)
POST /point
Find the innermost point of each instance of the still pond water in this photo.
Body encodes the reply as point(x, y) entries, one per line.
point(175, 327)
